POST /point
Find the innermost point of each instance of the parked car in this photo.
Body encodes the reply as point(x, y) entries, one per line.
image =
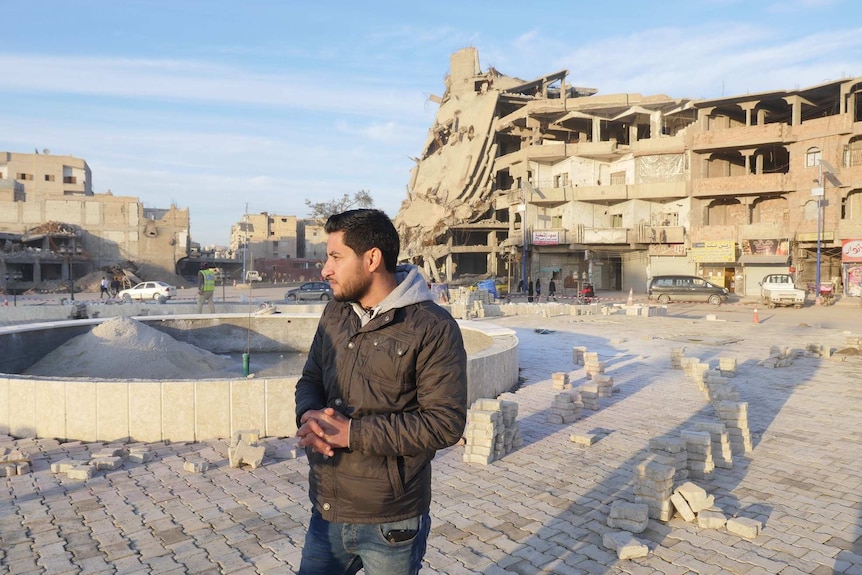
point(685, 288)
point(252, 276)
point(779, 290)
point(310, 291)
point(157, 291)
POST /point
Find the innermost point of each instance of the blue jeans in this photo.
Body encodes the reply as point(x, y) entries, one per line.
point(345, 548)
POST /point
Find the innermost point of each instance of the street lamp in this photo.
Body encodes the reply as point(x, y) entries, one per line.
point(523, 209)
point(819, 192)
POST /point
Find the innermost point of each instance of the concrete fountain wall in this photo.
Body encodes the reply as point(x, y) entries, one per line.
point(191, 410)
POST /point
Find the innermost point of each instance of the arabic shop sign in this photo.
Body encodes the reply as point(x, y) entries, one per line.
point(713, 251)
point(851, 251)
point(546, 238)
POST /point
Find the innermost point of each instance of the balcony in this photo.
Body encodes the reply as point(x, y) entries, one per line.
point(659, 234)
point(548, 153)
point(657, 146)
point(742, 137)
point(739, 185)
point(597, 150)
point(658, 190)
point(600, 193)
point(580, 234)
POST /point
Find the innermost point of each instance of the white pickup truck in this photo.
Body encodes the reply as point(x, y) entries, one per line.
point(779, 290)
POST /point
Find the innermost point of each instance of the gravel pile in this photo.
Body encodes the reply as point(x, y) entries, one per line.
point(124, 348)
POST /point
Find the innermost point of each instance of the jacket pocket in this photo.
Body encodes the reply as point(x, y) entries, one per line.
point(389, 362)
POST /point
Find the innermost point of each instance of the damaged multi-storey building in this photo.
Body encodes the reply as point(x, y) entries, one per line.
point(542, 179)
point(53, 228)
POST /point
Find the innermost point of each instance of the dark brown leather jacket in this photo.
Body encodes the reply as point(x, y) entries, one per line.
point(402, 379)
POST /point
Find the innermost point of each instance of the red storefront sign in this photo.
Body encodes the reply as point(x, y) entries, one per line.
point(851, 251)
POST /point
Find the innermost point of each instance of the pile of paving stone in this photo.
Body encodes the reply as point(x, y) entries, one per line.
point(14, 462)
point(492, 430)
point(107, 459)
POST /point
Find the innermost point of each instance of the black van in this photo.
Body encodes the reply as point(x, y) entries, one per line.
point(685, 288)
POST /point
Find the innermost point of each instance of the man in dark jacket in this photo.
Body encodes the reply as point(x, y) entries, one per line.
point(384, 387)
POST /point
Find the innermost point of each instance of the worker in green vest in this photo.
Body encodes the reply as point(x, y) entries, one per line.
point(206, 288)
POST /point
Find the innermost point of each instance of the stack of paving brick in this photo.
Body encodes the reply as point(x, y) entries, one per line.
point(671, 451)
point(676, 356)
point(109, 458)
point(14, 462)
point(578, 355)
point(592, 365)
point(727, 366)
point(718, 388)
point(722, 455)
point(589, 394)
point(565, 409)
point(560, 381)
point(698, 446)
point(654, 486)
point(512, 438)
point(696, 371)
point(631, 517)
point(604, 384)
point(73, 468)
point(492, 430)
point(734, 416)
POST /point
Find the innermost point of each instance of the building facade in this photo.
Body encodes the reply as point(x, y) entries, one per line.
point(266, 236)
point(541, 179)
point(54, 223)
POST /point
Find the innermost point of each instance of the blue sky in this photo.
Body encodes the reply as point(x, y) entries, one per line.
point(215, 104)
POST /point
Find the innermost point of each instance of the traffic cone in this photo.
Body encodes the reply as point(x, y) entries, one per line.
point(630, 301)
point(756, 318)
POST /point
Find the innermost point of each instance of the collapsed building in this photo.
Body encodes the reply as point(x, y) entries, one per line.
point(542, 179)
point(53, 228)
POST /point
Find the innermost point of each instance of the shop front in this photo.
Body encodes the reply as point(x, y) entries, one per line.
point(851, 262)
point(764, 256)
point(716, 263)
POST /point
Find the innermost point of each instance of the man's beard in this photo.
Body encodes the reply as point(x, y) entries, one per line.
point(354, 289)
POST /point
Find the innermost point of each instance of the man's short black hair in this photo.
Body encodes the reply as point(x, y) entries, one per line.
point(365, 229)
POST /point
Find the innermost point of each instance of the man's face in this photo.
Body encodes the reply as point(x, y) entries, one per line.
point(346, 271)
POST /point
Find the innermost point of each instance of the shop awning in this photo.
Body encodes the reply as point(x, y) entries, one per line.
point(752, 259)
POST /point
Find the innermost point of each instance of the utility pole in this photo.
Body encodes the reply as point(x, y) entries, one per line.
point(244, 241)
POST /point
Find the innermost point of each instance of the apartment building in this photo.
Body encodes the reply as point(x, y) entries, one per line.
point(55, 224)
point(542, 179)
point(267, 236)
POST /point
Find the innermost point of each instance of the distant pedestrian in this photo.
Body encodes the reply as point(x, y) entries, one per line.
point(529, 290)
point(521, 286)
point(552, 290)
point(115, 286)
point(103, 288)
point(538, 288)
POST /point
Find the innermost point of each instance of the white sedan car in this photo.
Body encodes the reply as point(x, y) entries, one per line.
point(157, 291)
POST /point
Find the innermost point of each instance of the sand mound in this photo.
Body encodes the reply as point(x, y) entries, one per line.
point(124, 348)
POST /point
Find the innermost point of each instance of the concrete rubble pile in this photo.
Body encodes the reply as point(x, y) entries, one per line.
point(492, 430)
